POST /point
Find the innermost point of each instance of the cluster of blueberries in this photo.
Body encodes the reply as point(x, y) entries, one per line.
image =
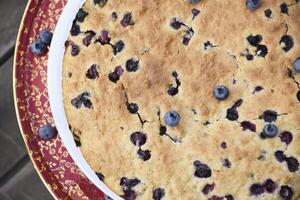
point(39, 47)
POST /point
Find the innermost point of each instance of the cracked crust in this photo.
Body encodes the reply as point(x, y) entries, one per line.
point(106, 128)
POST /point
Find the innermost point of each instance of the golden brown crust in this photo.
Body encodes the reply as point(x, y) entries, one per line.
point(105, 129)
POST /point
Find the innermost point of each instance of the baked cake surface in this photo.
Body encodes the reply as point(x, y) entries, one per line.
point(128, 63)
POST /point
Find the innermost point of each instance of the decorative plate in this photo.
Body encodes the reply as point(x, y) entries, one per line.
point(51, 160)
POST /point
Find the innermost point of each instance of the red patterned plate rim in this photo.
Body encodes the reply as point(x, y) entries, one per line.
point(57, 170)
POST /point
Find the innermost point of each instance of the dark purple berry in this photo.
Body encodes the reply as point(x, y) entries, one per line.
point(247, 125)
point(188, 36)
point(226, 163)
point(158, 194)
point(127, 20)
point(47, 132)
point(82, 99)
point(229, 197)
point(268, 13)
point(280, 157)
point(175, 23)
point(253, 4)
point(104, 37)
point(144, 154)
point(81, 15)
point(129, 195)
point(232, 114)
point(202, 170)
point(284, 8)
point(286, 192)
point(298, 95)
point(132, 65)
point(256, 189)
point(101, 3)
point(195, 12)
point(257, 89)
point(92, 72)
point(74, 50)
point(115, 76)
point(88, 38)
point(114, 16)
point(118, 47)
point(286, 137)
point(269, 116)
point(270, 185)
point(224, 145)
point(286, 42)
point(133, 108)
point(162, 130)
point(214, 197)
point(292, 164)
point(172, 91)
point(75, 30)
point(208, 188)
point(100, 176)
point(261, 50)
point(128, 184)
point(254, 40)
point(138, 138)
point(270, 131)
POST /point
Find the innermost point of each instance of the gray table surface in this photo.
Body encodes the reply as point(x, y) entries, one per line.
point(18, 179)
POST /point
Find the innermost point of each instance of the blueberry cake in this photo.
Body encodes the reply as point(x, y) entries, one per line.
point(187, 99)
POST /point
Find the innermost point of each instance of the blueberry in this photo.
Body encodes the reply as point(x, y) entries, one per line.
point(229, 197)
point(269, 116)
point(81, 15)
point(158, 194)
point(286, 137)
point(162, 130)
point(202, 170)
point(284, 8)
point(253, 4)
point(195, 12)
point(270, 186)
point(292, 164)
point(118, 47)
point(114, 16)
point(194, 1)
point(175, 23)
point(286, 192)
point(261, 50)
point(297, 64)
point(75, 30)
point(114, 77)
point(128, 184)
point(226, 163)
point(38, 48)
point(144, 154)
point(138, 138)
point(82, 99)
point(254, 40)
point(287, 43)
point(133, 108)
point(74, 50)
point(256, 189)
point(47, 132)
point(172, 118)
point(257, 89)
point(188, 36)
point(92, 72)
point(224, 145)
point(268, 13)
point(280, 157)
point(232, 114)
point(249, 57)
point(172, 91)
point(88, 38)
point(214, 197)
point(132, 65)
point(100, 176)
point(298, 95)
point(221, 92)
point(101, 3)
point(127, 20)
point(270, 131)
point(46, 37)
point(208, 188)
point(247, 125)
point(129, 195)
point(104, 37)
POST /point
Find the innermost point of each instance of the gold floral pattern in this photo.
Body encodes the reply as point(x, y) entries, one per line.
point(56, 168)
